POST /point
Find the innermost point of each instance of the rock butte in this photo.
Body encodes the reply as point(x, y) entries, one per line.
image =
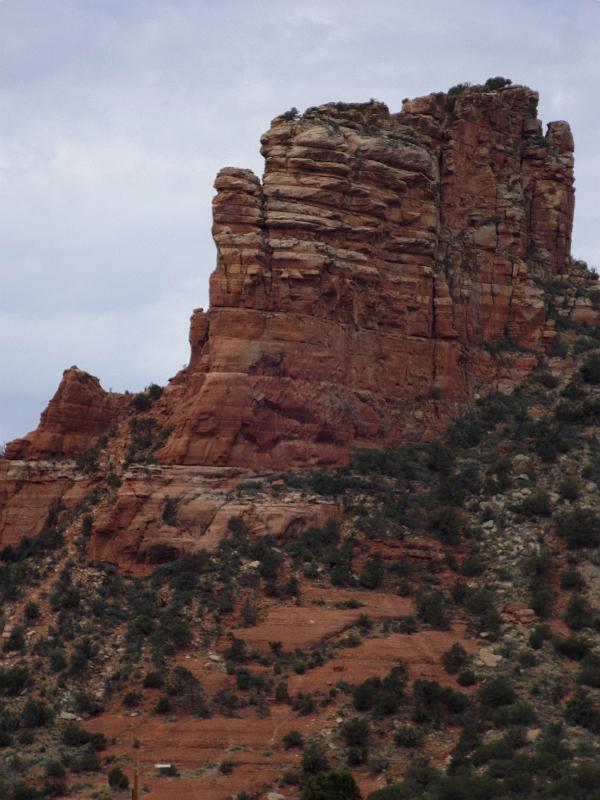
point(360, 285)
point(363, 296)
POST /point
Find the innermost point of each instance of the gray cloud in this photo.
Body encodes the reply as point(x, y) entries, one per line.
point(116, 117)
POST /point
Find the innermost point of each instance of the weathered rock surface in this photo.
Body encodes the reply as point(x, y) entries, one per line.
point(360, 285)
point(28, 490)
point(362, 293)
point(79, 413)
point(131, 531)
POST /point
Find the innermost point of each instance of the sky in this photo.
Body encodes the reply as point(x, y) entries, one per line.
point(116, 115)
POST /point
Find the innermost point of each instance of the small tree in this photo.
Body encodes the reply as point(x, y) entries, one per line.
point(455, 659)
point(497, 83)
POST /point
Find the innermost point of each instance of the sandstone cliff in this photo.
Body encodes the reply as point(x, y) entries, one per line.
point(364, 288)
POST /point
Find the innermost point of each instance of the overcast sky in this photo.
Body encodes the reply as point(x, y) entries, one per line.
point(115, 116)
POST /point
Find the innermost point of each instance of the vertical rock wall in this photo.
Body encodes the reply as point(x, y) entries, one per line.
point(359, 287)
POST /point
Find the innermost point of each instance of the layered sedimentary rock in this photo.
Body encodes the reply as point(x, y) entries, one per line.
point(79, 413)
point(361, 285)
point(358, 285)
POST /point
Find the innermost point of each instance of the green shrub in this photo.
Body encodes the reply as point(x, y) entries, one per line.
point(538, 636)
point(152, 680)
point(558, 349)
point(502, 748)
point(458, 88)
point(87, 461)
point(482, 604)
point(472, 567)
point(132, 699)
point(237, 651)
point(281, 692)
point(169, 514)
point(13, 680)
point(589, 674)
point(74, 736)
point(87, 761)
point(437, 704)
point(141, 402)
point(293, 739)
point(154, 390)
point(519, 713)
point(381, 695)
point(497, 83)
point(333, 785)
point(15, 642)
point(546, 379)
point(455, 659)
point(163, 705)
point(569, 488)
point(32, 611)
point(581, 710)
point(446, 524)
point(579, 614)
point(314, 760)
point(86, 703)
point(541, 600)
point(432, 608)
point(408, 736)
point(117, 779)
point(590, 369)
point(372, 574)
point(291, 115)
point(24, 791)
point(54, 769)
point(466, 433)
point(573, 647)
point(36, 714)
point(579, 528)
point(467, 678)
point(355, 732)
point(496, 693)
point(537, 504)
point(571, 580)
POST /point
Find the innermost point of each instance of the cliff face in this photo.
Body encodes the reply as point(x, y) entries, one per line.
point(358, 286)
point(361, 287)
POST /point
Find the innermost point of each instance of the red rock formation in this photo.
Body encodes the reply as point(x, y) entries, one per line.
point(79, 412)
point(359, 286)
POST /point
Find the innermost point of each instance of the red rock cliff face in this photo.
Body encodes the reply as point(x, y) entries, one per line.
point(79, 412)
point(359, 285)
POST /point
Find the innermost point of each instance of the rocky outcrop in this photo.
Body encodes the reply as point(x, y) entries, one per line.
point(359, 287)
point(363, 287)
point(79, 412)
point(131, 529)
point(30, 490)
